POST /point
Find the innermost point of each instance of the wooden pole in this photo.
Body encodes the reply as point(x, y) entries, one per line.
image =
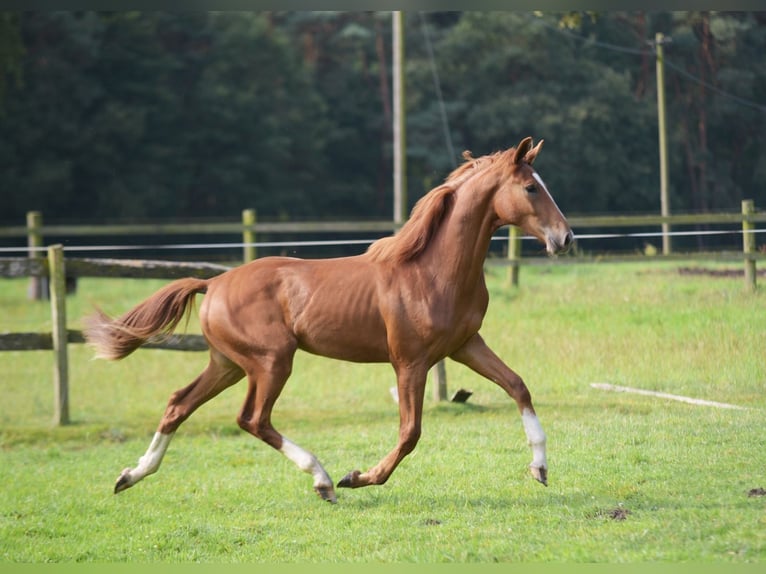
point(400, 138)
point(36, 289)
point(249, 252)
point(514, 255)
point(439, 371)
point(57, 285)
point(439, 374)
point(662, 129)
point(748, 244)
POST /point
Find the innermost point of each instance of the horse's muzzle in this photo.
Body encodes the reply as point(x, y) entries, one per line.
point(559, 244)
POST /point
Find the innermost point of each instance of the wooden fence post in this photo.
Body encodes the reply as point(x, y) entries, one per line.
point(748, 244)
point(439, 375)
point(37, 285)
point(57, 283)
point(248, 235)
point(514, 255)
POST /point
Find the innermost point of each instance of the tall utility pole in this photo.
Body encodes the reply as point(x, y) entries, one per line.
point(439, 371)
point(400, 140)
point(659, 40)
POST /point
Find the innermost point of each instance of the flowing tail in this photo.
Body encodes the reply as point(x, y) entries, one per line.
point(117, 338)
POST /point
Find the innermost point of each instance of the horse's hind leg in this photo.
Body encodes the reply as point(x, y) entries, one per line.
point(476, 355)
point(265, 386)
point(219, 374)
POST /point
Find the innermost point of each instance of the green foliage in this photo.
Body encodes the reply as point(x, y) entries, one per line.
point(11, 52)
point(633, 478)
point(599, 138)
point(201, 114)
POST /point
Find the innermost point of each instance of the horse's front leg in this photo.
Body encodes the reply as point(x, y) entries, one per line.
point(476, 355)
point(411, 383)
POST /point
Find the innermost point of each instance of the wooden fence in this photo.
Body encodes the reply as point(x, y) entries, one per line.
point(35, 232)
point(55, 269)
point(746, 219)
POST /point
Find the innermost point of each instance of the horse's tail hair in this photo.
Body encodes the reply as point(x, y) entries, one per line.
point(115, 339)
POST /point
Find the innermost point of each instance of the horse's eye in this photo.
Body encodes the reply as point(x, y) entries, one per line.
point(531, 188)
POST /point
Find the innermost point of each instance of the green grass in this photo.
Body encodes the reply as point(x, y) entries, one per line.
point(678, 474)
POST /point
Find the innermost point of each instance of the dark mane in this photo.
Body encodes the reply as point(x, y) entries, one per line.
point(428, 214)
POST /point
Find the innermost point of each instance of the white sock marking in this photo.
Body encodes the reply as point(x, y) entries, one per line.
point(150, 462)
point(535, 438)
point(306, 461)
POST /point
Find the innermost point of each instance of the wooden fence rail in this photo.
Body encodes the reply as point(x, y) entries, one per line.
point(36, 227)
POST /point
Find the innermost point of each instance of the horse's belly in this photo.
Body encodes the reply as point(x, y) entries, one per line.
point(351, 341)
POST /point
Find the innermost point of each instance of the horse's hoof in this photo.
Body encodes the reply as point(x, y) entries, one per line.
point(326, 493)
point(123, 481)
point(350, 480)
point(540, 474)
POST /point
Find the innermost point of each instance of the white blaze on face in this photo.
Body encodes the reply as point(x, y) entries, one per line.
point(541, 183)
point(535, 438)
point(548, 232)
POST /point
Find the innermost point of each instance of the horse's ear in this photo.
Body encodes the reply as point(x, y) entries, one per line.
point(532, 154)
point(521, 150)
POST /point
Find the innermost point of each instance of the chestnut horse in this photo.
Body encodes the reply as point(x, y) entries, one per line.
point(411, 300)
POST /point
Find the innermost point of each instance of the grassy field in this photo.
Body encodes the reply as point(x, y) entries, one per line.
point(632, 478)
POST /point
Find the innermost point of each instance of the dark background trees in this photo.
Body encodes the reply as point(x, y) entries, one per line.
point(131, 115)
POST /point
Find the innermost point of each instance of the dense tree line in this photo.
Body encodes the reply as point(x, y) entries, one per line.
point(132, 115)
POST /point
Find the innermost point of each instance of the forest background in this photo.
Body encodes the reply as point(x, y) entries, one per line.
point(130, 116)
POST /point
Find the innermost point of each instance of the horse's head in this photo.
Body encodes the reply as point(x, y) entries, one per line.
point(522, 199)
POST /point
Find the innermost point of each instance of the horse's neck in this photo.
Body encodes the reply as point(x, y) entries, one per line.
point(460, 247)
